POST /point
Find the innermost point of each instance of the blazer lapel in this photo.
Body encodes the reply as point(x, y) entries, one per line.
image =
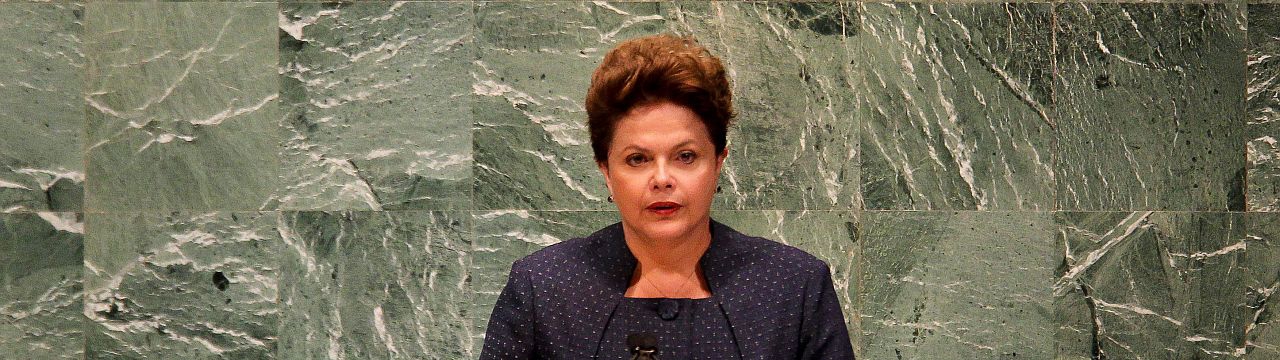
point(720, 267)
point(614, 265)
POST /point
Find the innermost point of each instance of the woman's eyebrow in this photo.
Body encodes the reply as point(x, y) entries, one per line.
point(636, 148)
point(645, 150)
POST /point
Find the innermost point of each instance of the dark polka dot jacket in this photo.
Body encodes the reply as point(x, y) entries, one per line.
point(779, 300)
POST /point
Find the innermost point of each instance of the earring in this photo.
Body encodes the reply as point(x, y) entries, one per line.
point(610, 198)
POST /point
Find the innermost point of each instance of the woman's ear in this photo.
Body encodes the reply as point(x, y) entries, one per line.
point(720, 159)
point(604, 170)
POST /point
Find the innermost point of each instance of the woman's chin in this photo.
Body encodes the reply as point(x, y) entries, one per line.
point(662, 227)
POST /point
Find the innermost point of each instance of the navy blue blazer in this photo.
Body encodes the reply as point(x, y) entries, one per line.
point(779, 300)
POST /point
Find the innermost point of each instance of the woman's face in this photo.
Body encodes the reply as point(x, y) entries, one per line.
point(662, 170)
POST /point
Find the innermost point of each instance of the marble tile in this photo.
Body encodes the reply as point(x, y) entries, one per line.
point(956, 285)
point(41, 293)
point(529, 87)
point(181, 101)
point(1170, 285)
point(1148, 106)
point(377, 104)
point(1260, 283)
point(792, 144)
point(954, 105)
point(377, 285)
point(41, 109)
point(181, 285)
point(829, 235)
point(502, 237)
point(1262, 107)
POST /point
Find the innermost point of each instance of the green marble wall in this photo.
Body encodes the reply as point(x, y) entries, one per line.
point(302, 180)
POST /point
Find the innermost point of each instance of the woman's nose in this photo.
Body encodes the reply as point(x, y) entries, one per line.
point(662, 176)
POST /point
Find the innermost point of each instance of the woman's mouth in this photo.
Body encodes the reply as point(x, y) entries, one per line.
point(663, 208)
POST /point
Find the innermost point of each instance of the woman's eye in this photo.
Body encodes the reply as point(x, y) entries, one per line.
point(687, 157)
point(635, 160)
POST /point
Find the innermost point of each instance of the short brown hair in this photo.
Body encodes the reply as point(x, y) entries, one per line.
point(654, 69)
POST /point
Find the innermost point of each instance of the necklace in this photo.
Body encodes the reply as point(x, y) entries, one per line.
point(669, 308)
point(682, 285)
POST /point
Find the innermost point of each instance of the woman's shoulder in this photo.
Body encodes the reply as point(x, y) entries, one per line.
point(767, 254)
point(574, 251)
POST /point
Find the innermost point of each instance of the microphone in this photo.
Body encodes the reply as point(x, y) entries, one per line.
point(642, 346)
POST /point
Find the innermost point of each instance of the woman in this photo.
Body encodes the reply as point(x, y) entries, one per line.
point(668, 276)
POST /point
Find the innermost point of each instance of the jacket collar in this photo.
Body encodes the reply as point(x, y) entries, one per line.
point(616, 263)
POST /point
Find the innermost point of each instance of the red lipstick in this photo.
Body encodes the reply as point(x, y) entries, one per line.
point(664, 208)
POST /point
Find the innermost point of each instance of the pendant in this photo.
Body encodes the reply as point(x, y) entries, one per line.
point(668, 309)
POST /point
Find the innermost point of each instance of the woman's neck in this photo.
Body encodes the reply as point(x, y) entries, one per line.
point(674, 255)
